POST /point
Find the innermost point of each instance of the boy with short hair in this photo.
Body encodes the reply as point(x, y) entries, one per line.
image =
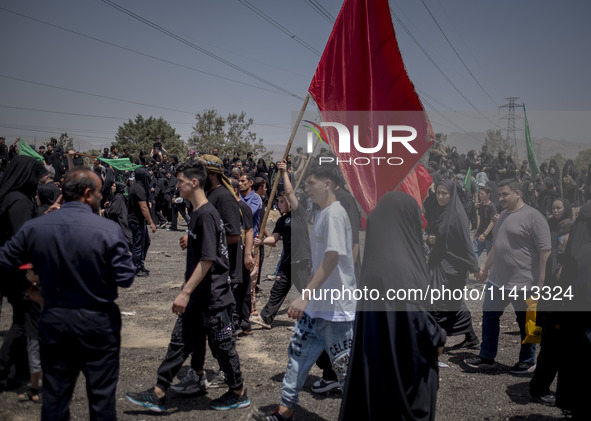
point(322, 324)
point(203, 305)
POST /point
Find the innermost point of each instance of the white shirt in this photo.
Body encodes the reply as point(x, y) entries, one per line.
point(333, 300)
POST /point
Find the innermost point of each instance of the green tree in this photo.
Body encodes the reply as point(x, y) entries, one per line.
point(583, 160)
point(229, 135)
point(66, 141)
point(139, 135)
point(496, 142)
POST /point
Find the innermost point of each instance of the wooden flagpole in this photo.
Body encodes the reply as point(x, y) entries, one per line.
point(263, 223)
point(306, 166)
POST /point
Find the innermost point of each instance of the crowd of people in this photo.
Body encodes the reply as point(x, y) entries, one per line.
point(534, 230)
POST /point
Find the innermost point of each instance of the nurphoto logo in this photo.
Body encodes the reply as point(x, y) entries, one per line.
point(388, 136)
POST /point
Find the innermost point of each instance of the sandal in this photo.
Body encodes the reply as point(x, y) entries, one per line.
point(34, 395)
point(29, 395)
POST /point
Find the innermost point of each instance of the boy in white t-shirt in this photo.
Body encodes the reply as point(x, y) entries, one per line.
point(325, 310)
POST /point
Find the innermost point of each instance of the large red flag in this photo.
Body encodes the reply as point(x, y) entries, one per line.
point(361, 81)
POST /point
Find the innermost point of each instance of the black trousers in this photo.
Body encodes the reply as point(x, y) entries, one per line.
point(188, 336)
point(176, 208)
point(241, 310)
point(298, 274)
point(141, 243)
point(14, 347)
point(80, 340)
point(548, 359)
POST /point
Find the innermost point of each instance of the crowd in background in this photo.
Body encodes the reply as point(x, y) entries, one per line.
point(465, 181)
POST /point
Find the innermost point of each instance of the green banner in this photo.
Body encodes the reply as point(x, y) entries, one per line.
point(534, 168)
point(468, 180)
point(26, 150)
point(121, 164)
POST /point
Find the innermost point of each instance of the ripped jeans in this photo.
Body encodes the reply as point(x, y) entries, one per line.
point(310, 337)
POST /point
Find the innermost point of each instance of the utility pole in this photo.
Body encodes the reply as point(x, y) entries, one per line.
point(511, 117)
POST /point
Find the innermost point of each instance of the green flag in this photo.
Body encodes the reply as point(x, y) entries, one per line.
point(121, 164)
point(468, 180)
point(26, 150)
point(534, 169)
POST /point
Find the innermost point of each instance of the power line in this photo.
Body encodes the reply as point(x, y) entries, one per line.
point(13, 107)
point(321, 11)
point(140, 53)
point(458, 54)
point(453, 123)
point(279, 26)
point(53, 132)
point(196, 47)
point(437, 66)
point(115, 118)
point(91, 94)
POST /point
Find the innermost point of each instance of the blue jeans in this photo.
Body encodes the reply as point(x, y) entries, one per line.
point(480, 247)
point(310, 337)
point(492, 310)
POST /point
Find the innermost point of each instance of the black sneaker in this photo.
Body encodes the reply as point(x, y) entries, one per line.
point(480, 363)
point(217, 381)
point(522, 368)
point(275, 416)
point(147, 399)
point(324, 386)
point(191, 384)
point(230, 400)
point(548, 399)
point(140, 273)
point(143, 269)
point(468, 343)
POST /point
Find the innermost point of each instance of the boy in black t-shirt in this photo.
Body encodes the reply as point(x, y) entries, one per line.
point(204, 304)
point(296, 265)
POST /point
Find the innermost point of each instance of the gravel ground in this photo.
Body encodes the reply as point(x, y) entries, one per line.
point(463, 394)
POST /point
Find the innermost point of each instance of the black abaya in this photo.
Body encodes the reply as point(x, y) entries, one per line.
point(451, 258)
point(393, 368)
point(573, 387)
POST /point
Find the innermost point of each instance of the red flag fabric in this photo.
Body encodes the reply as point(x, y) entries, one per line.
point(361, 80)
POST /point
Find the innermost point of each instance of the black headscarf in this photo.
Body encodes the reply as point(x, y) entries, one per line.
point(450, 225)
point(22, 174)
point(576, 268)
point(570, 169)
point(142, 177)
point(394, 245)
point(529, 197)
point(553, 223)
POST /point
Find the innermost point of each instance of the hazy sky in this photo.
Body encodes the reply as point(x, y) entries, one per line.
point(55, 80)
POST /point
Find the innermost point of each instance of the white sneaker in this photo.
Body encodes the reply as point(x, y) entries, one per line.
point(217, 381)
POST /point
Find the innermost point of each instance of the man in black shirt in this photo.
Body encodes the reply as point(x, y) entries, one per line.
point(137, 216)
point(80, 327)
point(242, 291)
point(203, 305)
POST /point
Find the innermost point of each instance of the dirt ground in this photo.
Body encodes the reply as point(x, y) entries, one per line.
point(148, 321)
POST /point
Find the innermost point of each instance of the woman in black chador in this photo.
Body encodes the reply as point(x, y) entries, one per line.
point(393, 368)
point(451, 258)
point(573, 387)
